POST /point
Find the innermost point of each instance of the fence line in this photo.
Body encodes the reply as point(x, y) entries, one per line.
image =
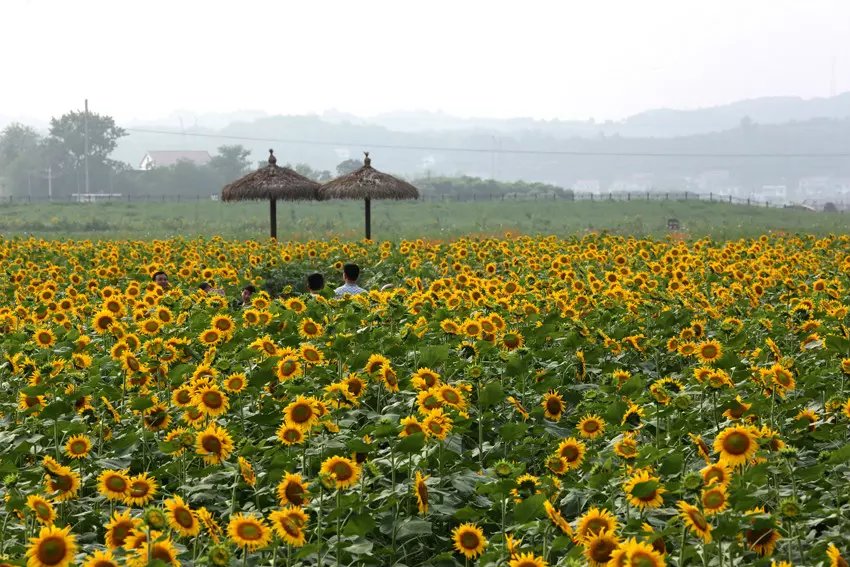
point(454, 197)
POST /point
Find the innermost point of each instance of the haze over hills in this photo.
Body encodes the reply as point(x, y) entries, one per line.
point(584, 155)
point(662, 122)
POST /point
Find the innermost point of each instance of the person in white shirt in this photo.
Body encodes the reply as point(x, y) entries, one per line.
point(350, 273)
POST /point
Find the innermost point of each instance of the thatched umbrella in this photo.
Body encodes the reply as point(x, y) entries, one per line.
point(368, 183)
point(271, 182)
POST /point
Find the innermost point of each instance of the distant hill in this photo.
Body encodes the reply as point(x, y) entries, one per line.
point(652, 123)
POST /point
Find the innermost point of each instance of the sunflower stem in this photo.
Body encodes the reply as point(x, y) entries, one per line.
point(319, 523)
point(56, 437)
point(480, 431)
point(772, 404)
point(395, 506)
point(682, 545)
point(714, 403)
point(338, 516)
point(233, 491)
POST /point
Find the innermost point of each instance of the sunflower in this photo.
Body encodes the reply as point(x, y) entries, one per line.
point(572, 451)
point(717, 474)
point(736, 445)
point(142, 490)
point(210, 400)
point(54, 547)
point(295, 304)
point(340, 472)
point(114, 485)
point(834, 555)
point(156, 418)
point(159, 550)
point(626, 447)
point(437, 424)
point(182, 396)
point(103, 321)
point(149, 326)
point(214, 444)
point(389, 378)
point(782, 378)
point(424, 379)
point(598, 548)
point(644, 490)
point(101, 559)
point(595, 521)
point(687, 349)
point(119, 528)
point(553, 405)
point(310, 329)
point(210, 337)
point(247, 471)
point(375, 363)
point(714, 499)
point(695, 520)
point(421, 490)
point(311, 355)
point(709, 351)
point(235, 383)
point(224, 324)
point(410, 425)
point(292, 491)
point(44, 337)
point(527, 560)
point(288, 367)
point(633, 553)
point(702, 447)
point(736, 409)
point(290, 434)
point(248, 532)
point(181, 518)
point(450, 327)
point(78, 447)
point(452, 396)
point(266, 346)
point(210, 524)
point(469, 540)
point(43, 509)
point(302, 413)
point(557, 519)
point(591, 426)
point(289, 524)
point(526, 486)
point(763, 532)
point(518, 407)
point(512, 340)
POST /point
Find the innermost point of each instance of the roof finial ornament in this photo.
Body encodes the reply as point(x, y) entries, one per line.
point(367, 160)
point(272, 159)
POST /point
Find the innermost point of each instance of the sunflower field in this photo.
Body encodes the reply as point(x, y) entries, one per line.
point(520, 402)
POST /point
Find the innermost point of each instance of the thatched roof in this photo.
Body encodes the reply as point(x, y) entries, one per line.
point(368, 183)
point(271, 182)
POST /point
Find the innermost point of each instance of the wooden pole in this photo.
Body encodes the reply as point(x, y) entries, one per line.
point(273, 217)
point(368, 218)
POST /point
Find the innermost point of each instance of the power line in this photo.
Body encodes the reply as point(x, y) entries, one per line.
point(499, 150)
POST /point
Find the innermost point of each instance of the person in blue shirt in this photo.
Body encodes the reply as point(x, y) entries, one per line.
point(350, 274)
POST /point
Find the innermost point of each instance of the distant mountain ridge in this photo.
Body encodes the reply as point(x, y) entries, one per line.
point(661, 122)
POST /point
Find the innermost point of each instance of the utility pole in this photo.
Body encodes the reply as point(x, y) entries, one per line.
point(86, 128)
point(49, 182)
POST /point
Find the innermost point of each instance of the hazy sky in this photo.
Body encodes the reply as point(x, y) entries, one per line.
point(546, 59)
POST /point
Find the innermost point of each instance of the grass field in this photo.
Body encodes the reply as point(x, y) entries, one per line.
point(301, 221)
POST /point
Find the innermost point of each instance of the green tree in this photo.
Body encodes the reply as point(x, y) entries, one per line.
point(304, 169)
point(67, 135)
point(231, 162)
point(348, 166)
point(17, 140)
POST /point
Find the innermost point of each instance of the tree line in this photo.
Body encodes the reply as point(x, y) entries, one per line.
point(38, 166)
